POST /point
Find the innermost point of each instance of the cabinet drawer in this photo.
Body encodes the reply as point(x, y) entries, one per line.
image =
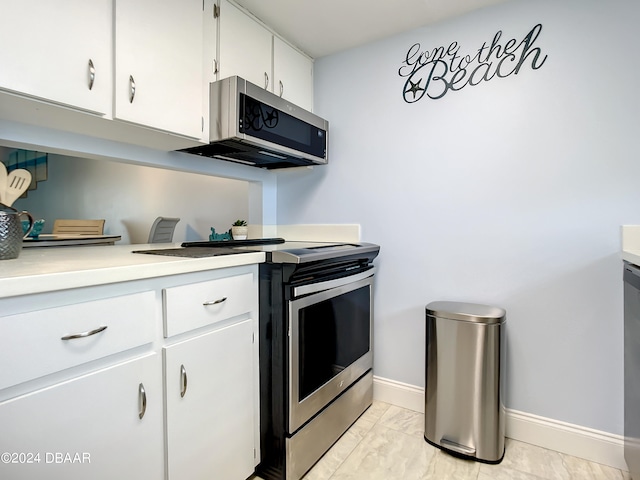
point(33, 344)
point(187, 307)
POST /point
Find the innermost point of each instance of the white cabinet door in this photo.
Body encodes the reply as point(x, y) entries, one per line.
point(210, 43)
point(88, 427)
point(53, 339)
point(158, 64)
point(210, 388)
point(197, 305)
point(245, 47)
point(292, 74)
point(49, 49)
point(210, 59)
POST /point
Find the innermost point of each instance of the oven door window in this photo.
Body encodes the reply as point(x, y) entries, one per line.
point(329, 346)
point(332, 334)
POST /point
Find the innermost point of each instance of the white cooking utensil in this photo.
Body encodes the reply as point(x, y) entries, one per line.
point(17, 183)
point(3, 181)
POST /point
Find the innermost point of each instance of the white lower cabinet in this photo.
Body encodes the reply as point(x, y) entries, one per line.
point(103, 425)
point(90, 388)
point(210, 392)
point(53, 339)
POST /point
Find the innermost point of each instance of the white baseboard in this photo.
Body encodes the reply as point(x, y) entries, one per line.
point(593, 445)
point(398, 393)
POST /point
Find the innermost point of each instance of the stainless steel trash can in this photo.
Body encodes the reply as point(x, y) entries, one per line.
point(465, 379)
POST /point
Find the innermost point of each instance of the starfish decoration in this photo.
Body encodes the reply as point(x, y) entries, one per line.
point(415, 88)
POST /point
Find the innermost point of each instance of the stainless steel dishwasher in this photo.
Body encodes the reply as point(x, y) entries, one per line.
point(632, 368)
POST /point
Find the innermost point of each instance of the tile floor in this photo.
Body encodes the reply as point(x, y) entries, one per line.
point(387, 443)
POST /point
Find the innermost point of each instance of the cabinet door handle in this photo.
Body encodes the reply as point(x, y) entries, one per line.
point(183, 380)
point(142, 401)
point(84, 334)
point(92, 74)
point(215, 66)
point(281, 88)
point(215, 302)
point(132, 88)
point(266, 81)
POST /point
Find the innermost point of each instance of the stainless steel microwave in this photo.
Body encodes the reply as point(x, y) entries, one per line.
point(252, 126)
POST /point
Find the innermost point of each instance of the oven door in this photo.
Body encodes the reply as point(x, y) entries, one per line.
point(330, 342)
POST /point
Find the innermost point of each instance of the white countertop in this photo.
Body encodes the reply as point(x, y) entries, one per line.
point(632, 257)
point(47, 269)
point(631, 243)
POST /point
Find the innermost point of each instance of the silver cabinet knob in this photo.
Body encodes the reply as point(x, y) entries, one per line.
point(183, 380)
point(92, 74)
point(132, 88)
point(142, 401)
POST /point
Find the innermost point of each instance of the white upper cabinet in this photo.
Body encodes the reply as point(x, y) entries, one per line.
point(210, 42)
point(292, 74)
point(250, 50)
point(139, 68)
point(59, 51)
point(158, 64)
point(210, 58)
point(245, 47)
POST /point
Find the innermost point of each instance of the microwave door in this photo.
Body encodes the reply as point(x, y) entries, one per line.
point(265, 122)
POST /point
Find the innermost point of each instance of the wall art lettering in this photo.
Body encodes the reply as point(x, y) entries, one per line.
point(434, 73)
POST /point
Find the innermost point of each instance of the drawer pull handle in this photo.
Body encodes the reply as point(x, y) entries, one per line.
point(215, 302)
point(183, 380)
point(142, 401)
point(84, 334)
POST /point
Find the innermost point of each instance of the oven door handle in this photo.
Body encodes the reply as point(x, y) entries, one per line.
point(337, 282)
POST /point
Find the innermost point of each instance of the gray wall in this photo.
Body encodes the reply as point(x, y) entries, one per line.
point(130, 197)
point(511, 193)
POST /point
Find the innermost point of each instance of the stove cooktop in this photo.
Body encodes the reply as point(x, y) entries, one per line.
point(305, 252)
point(277, 249)
point(233, 243)
point(194, 252)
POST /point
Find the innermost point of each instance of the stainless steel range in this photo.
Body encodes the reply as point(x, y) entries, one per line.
point(316, 350)
point(316, 344)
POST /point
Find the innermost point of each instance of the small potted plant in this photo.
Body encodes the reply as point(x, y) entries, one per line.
point(239, 230)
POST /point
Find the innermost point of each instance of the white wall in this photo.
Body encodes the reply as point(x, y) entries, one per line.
point(130, 197)
point(508, 193)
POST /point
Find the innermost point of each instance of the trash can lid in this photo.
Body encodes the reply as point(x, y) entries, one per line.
point(468, 312)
